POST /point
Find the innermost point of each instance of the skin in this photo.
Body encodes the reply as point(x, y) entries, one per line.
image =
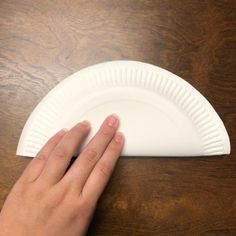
point(47, 200)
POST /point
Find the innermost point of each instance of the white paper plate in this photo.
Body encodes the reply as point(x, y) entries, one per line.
point(160, 113)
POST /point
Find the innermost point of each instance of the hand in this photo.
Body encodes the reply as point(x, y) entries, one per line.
point(47, 200)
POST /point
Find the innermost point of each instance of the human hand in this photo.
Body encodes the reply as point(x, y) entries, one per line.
point(47, 200)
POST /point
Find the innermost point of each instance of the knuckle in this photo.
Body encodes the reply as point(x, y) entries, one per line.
point(90, 155)
point(80, 207)
point(41, 157)
point(86, 203)
point(86, 207)
point(36, 192)
point(60, 153)
point(107, 131)
point(105, 170)
point(53, 201)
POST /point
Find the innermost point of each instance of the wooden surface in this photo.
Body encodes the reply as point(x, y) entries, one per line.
point(42, 42)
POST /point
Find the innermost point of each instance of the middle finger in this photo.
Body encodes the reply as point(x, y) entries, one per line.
point(84, 164)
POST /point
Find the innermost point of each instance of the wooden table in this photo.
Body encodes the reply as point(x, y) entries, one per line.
point(42, 42)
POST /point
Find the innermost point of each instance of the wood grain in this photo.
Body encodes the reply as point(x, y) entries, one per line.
point(42, 42)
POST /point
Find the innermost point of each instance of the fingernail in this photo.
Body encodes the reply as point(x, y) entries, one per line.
point(112, 120)
point(119, 137)
point(86, 123)
point(62, 132)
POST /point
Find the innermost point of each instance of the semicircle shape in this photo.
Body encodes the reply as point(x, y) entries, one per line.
point(161, 114)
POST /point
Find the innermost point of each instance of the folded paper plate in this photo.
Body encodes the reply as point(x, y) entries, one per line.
point(160, 113)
